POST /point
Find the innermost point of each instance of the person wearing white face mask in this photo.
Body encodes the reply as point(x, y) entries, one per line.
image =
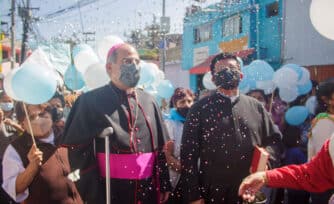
point(10, 125)
point(38, 173)
point(6, 104)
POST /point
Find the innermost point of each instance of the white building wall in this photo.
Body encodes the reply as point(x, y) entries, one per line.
point(176, 75)
point(302, 44)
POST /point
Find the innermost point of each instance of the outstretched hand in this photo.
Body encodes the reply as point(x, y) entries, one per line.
point(252, 184)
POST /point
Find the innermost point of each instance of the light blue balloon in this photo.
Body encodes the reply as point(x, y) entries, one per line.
point(296, 115)
point(261, 71)
point(295, 68)
point(80, 47)
point(73, 78)
point(305, 88)
point(165, 89)
point(147, 74)
point(34, 84)
point(248, 80)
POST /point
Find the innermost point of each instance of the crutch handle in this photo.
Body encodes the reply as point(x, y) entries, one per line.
point(106, 132)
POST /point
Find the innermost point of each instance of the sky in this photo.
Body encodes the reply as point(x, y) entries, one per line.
point(104, 17)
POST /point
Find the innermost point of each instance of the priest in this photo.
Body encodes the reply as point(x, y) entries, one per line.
point(137, 164)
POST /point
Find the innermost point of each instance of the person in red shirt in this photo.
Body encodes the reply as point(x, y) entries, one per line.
point(315, 176)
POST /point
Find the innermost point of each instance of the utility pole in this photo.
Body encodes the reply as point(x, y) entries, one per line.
point(26, 15)
point(87, 38)
point(12, 33)
point(163, 37)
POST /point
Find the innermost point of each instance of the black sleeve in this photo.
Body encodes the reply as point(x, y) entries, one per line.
point(190, 149)
point(271, 139)
point(80, 129)
point(81, 125)
point(163, 137)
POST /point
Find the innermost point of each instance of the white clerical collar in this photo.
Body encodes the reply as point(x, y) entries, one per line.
point(232, 98)
point(50, 139)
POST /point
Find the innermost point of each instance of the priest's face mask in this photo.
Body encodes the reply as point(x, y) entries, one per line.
point(40, 119)
point(227, 74)
point(124, 73)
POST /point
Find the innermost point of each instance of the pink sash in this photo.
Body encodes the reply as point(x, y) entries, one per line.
point(128, 166)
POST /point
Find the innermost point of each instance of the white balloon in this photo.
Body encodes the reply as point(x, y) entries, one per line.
point(96, 76)
point(285, 78)
point(105, 44)
point(39, 57)
point(159, 74)
point(288, 94)
point(207, 82)
point(311, 104)
point(7, 84)
point(322, 15)
point(84, 59)
point(267, 86)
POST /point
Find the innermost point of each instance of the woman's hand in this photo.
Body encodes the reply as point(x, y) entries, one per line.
point(35, 156)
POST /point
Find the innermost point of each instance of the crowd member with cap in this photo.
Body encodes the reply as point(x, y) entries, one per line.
point(181, 101)
point(219, 137)
point(37, 173)
point(138, 169)
point(315, 176)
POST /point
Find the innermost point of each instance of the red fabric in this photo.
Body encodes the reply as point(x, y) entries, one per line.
point(127, 166)
point(204, 67)
point(314, 176)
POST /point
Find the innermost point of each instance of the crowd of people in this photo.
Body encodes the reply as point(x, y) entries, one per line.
point(199, 152)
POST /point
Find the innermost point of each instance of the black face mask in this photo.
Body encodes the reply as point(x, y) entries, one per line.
point(57, 114)
point(227, 78)
point(183, 111)
point(129, 75)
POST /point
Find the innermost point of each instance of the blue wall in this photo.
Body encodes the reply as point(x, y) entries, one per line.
point(255, 24)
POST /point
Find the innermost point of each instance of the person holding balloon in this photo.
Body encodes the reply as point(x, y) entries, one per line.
point(138, 170)
point(35, 170)
point(322, 127)
point(219, 136)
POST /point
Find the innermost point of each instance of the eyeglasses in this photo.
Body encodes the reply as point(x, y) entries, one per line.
point(129, 61)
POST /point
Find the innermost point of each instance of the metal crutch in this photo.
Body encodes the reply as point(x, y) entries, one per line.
point(105, 134)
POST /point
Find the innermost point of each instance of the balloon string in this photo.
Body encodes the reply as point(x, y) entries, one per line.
point(29, 124)
point(271, 101)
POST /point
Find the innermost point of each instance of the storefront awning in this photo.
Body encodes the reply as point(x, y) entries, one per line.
point(204, 67)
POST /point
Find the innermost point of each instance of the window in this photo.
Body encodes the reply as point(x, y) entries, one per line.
point(203, 33)
point(232, 26)
point(5, 55)
point(272, 9)
point(229, 2)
